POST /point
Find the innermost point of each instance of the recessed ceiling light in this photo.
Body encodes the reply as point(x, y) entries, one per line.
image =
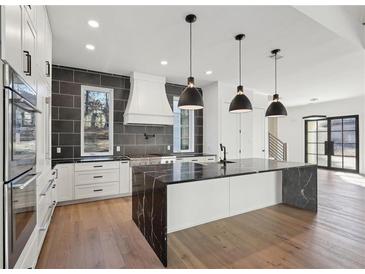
point(164, 62)
point(90, 47)
point(93, 23)
point(208, 72)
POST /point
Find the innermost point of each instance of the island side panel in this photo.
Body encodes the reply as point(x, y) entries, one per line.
point(149, 212)
point(300, 187)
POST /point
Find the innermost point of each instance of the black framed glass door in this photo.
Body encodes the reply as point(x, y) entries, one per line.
point(333, 143)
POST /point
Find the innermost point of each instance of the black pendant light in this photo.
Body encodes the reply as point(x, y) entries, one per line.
point(240, 102)
point(190, 98)
point(276, 108)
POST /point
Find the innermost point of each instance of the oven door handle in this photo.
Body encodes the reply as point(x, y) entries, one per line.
point(26, 183)
point(23, 101)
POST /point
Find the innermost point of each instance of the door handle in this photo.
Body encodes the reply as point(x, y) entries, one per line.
point(28, 72)
point(332, 148)
point(48, 69)
point(325, 148)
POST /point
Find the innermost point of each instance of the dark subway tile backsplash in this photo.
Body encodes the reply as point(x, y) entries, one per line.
point(66, 115)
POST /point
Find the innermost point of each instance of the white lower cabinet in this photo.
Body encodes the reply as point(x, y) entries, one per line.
point(65, 182)
point(96, 190)
point(125, 183)
point(197, 159)
point(92, 180)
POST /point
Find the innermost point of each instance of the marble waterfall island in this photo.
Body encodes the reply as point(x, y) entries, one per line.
point(172, 197)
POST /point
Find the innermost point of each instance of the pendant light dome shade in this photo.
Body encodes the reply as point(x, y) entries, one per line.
point(190, 97)
point(276, 108)
point(240, 102)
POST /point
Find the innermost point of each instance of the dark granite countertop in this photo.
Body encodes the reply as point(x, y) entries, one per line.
point(187, 172)
point(89, 159)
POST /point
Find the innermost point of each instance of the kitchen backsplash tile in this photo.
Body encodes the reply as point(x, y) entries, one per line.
point(66, 115)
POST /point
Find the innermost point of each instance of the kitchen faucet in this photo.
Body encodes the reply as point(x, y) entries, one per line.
point(223, 148)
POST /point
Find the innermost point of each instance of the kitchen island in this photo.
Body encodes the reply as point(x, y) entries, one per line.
point(171, 197)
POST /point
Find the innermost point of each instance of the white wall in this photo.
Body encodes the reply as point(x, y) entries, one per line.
point(291, 128)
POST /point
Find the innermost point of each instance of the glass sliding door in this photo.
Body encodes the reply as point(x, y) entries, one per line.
point(333, 143)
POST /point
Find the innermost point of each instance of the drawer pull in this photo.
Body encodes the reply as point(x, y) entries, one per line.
point(99, 176)
point(99, 166)
point(124, 162)
point(98, 190)
point(48, 187)
point(194, 160)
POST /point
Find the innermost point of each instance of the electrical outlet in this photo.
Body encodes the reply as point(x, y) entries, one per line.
point(168, 147)
point(118, 148)
point(58, 150)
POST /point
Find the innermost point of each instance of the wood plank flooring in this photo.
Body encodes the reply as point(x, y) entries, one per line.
point(102, 235)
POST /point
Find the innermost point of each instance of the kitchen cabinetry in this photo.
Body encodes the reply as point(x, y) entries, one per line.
point(125, 183)
point(197, 159)
point(26, 42)
point(65, 182)
point(92, 180)
point(29, 50)
point(26, 45)
point(11, 36)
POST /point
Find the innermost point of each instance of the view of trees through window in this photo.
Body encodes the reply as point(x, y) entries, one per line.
point(97, 111)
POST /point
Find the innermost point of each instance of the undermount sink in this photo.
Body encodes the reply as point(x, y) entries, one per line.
point(227, 162)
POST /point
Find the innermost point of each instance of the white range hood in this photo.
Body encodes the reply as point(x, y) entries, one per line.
point(148, 103)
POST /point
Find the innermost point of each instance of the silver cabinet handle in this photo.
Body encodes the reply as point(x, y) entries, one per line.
point(28, 72)
point(44, 193)
point(98, 190)
point(99, 176)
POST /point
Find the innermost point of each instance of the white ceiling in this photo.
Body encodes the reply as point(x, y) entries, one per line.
point(317, 62)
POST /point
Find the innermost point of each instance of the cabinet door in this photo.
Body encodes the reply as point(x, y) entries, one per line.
point(29, 51)
point(48, 53)
point(11, 36)
point(124, 181)
point(65, 182)
point(32, 13)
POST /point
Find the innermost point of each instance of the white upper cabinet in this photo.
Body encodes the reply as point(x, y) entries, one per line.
point(26, 43)
point(44, 46)
point(29, 51)
point(11, 36)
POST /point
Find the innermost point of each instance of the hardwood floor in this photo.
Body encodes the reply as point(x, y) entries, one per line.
point(102, 235)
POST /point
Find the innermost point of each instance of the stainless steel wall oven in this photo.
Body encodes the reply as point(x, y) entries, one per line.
point(20, 196)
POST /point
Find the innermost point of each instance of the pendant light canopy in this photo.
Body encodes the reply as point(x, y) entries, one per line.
point(240, 102)
point(276, 108)
point(190, 98)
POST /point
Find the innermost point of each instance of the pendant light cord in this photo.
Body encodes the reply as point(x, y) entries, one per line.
point(191, 50)
point(276, 76)
point(240, 63)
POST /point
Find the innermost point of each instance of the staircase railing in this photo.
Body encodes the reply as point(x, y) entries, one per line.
point(277, 148)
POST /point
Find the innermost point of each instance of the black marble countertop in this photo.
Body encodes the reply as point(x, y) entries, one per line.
point(89, 159)
point(187, 172)
point(191, 154)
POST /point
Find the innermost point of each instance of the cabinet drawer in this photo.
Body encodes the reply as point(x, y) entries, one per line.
point(45, 203)
point(97, 176)
point(96, 166)
point(89, 191)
